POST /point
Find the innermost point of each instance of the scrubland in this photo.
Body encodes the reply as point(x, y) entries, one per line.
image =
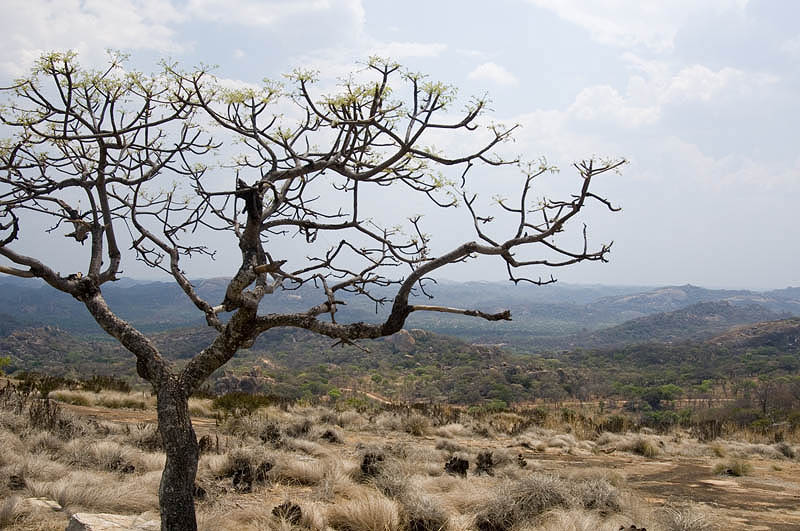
point(389, 467)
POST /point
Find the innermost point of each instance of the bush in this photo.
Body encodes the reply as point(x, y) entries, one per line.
point(522, 502)
point(644, 447)
point(97, 383)
point(735, 467)
point(238, 401)
point(786, 450)
point(416, 424)
point(614, 424)
point(597, 494)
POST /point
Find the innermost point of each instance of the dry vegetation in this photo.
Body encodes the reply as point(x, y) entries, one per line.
point(313, 467)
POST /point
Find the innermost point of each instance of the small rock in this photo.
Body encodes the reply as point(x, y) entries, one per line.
point(111, 522)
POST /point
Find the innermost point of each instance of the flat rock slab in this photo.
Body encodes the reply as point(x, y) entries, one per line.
point(111, 522)
point(42, 503)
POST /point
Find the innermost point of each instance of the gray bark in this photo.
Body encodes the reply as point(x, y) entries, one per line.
point(176, 492)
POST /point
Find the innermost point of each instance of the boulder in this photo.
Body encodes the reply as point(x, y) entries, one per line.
point(402, 342)
point(111, 522)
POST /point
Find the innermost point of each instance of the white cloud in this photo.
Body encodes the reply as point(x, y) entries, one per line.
point(32, 27)
point(260, 13)
point(655, 86)
point(494, 73)
point(400, 50)
point(791, 46)
point(634, 22)
point(604, 102)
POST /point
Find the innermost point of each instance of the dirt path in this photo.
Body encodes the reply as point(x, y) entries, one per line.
point(131, 416)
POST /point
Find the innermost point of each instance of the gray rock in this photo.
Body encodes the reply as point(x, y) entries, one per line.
point(111, 522)
point(42, 503)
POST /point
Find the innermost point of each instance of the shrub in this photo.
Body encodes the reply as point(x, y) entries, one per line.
point(332, 436)
point(786, 450)
point(245, 468)
point(416, 424)
point(521, 502)
point(484, 463)
point(614, 424)
point(597, 494)
point(238, 401)
point(97, 383)
point(449, 446)
point(735, 467)
point(644, 447)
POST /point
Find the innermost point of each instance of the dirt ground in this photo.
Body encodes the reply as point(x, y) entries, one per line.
point(768, 499)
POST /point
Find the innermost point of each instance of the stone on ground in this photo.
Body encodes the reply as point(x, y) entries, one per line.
point(111, 522)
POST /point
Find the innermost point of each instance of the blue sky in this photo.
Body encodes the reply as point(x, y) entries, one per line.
point(701, 97)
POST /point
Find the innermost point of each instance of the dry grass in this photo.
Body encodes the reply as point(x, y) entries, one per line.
point(297, 471)
point(371, 512)
point(88, 491)
point(21, 515)
point(578, 520)
point(116, 468)
point(109, 399)
point(201, 407)
point(690, 517)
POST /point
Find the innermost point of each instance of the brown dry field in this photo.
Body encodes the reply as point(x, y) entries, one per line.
point(677, 479)
point(767, 499)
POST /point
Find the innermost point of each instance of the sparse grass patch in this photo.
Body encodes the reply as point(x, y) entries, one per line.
point(642, 446)
point(686, 518)
point(734, 467)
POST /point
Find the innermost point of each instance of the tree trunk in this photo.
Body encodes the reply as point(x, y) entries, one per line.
point(176, 493)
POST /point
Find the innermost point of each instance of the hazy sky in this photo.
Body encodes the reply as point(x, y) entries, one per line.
point(701, 97)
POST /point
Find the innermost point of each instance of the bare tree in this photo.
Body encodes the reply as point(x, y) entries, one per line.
point(122, 160)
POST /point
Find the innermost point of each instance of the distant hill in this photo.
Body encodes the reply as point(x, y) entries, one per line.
point(696, 322)
point(552, 316)
point(783, 334)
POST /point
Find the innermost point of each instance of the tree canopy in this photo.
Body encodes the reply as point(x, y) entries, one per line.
point(120, 160)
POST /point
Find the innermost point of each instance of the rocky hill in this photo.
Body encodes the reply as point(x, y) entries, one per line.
point(783, 334)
